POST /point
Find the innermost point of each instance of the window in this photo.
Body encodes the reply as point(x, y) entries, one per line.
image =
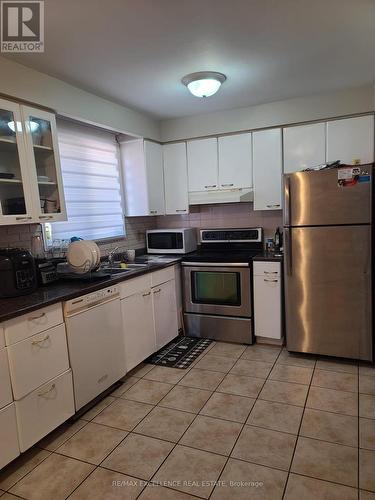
point(92, 184)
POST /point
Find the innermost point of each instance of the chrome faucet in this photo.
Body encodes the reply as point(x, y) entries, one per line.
point(111, 257)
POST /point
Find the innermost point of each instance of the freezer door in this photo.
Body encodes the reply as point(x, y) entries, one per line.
point(328, 291)
point(316, 198)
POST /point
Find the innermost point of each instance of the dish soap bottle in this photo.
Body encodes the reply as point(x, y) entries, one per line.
point(277, 239)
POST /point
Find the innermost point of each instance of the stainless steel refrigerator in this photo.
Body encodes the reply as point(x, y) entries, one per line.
point(328, 262)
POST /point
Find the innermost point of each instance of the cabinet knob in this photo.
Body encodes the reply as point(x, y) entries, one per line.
point(153, 211)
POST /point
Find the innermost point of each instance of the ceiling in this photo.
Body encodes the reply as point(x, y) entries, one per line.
point(136, 52)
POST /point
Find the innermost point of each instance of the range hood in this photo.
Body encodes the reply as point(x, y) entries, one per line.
point(221, 196)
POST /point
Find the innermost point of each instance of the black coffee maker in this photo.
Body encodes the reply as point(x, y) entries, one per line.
point(17, 272)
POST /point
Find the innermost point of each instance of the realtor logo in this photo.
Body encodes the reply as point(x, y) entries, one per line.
point(22, 26)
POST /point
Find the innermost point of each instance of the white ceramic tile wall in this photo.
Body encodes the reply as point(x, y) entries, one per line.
point(20, 236)
point(203, 216)
point(226, 216)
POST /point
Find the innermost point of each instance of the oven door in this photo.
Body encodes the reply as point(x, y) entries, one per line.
point(220, 290)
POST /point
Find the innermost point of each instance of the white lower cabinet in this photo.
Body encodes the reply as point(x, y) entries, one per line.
point(138, 325)
point(165, 313)
point(149, 314)
point(267, 300)
point(37, 359)
point(6, 396)
point(44, 409)
point(9, 447)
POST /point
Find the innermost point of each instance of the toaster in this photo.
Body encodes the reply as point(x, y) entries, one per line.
point(17, 271)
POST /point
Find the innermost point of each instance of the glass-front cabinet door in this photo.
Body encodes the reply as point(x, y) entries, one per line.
point(43, 155)
point(16, 202)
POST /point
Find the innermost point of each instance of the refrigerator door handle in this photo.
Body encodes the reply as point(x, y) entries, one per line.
point(286, 200)
point(288, 251)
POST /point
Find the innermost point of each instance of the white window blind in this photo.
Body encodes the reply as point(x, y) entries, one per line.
point(92, 183)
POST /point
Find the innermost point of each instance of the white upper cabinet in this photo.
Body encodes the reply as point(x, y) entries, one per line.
point(351, 140)
point(304, 146)
point(155, 180)
point(202, 164)
point(43, 154)
point(235, 161)
point(31, 187)
point(267, 165)
point(143, 174)
point(16, 201)
point(175, 178)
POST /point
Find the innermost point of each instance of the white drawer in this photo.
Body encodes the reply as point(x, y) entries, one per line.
point(38, 359)
point(135, 285)
point(44, 409)
point(9, 448)
point(162, 276)
point(6, 396)
point(20, 328)
point(266, 268)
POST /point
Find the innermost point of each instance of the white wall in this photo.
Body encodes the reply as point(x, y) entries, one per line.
point(25, 83)
point(300, 109)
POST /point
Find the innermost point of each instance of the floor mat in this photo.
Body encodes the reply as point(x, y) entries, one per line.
point(180, 353)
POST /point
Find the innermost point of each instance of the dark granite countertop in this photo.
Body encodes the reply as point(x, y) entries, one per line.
point(267, 256)
point(68, 289)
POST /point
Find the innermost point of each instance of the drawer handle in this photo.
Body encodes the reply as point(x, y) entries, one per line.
point(181, 210)
point(33, 318)
point(210, 186)
point(270, 272)
point(37, 342)
point(275, 205)
point(157, 291)
point(227, 185)
point(23, 218)
point(146, 294)
point(42, 217)
point(271, 281)
point(153, 211)
point(44, 393)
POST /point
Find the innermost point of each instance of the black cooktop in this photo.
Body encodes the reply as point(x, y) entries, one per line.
point(227, 245)
point(226, 257)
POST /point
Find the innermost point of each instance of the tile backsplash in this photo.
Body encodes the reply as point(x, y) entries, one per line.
point(202, 216)
point(224, 216)
point(20, 235)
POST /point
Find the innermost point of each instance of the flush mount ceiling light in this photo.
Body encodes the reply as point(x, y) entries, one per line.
point(204, 83)
point(33, 126)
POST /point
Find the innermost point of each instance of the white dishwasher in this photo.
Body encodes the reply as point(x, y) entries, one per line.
point(96, 343)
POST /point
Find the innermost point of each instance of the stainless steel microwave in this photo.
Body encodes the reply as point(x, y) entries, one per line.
point(180, 241)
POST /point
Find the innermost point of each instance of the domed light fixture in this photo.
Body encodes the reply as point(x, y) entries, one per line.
point(204, 83)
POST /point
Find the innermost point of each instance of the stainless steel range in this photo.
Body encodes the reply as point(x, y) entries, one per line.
point(217, 284)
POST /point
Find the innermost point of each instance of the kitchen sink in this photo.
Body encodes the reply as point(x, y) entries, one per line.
point(116, 269)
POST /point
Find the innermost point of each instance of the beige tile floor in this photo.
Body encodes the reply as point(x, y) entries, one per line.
point(241, 423)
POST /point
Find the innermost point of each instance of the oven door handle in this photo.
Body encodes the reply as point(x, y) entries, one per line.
point(215, 264)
